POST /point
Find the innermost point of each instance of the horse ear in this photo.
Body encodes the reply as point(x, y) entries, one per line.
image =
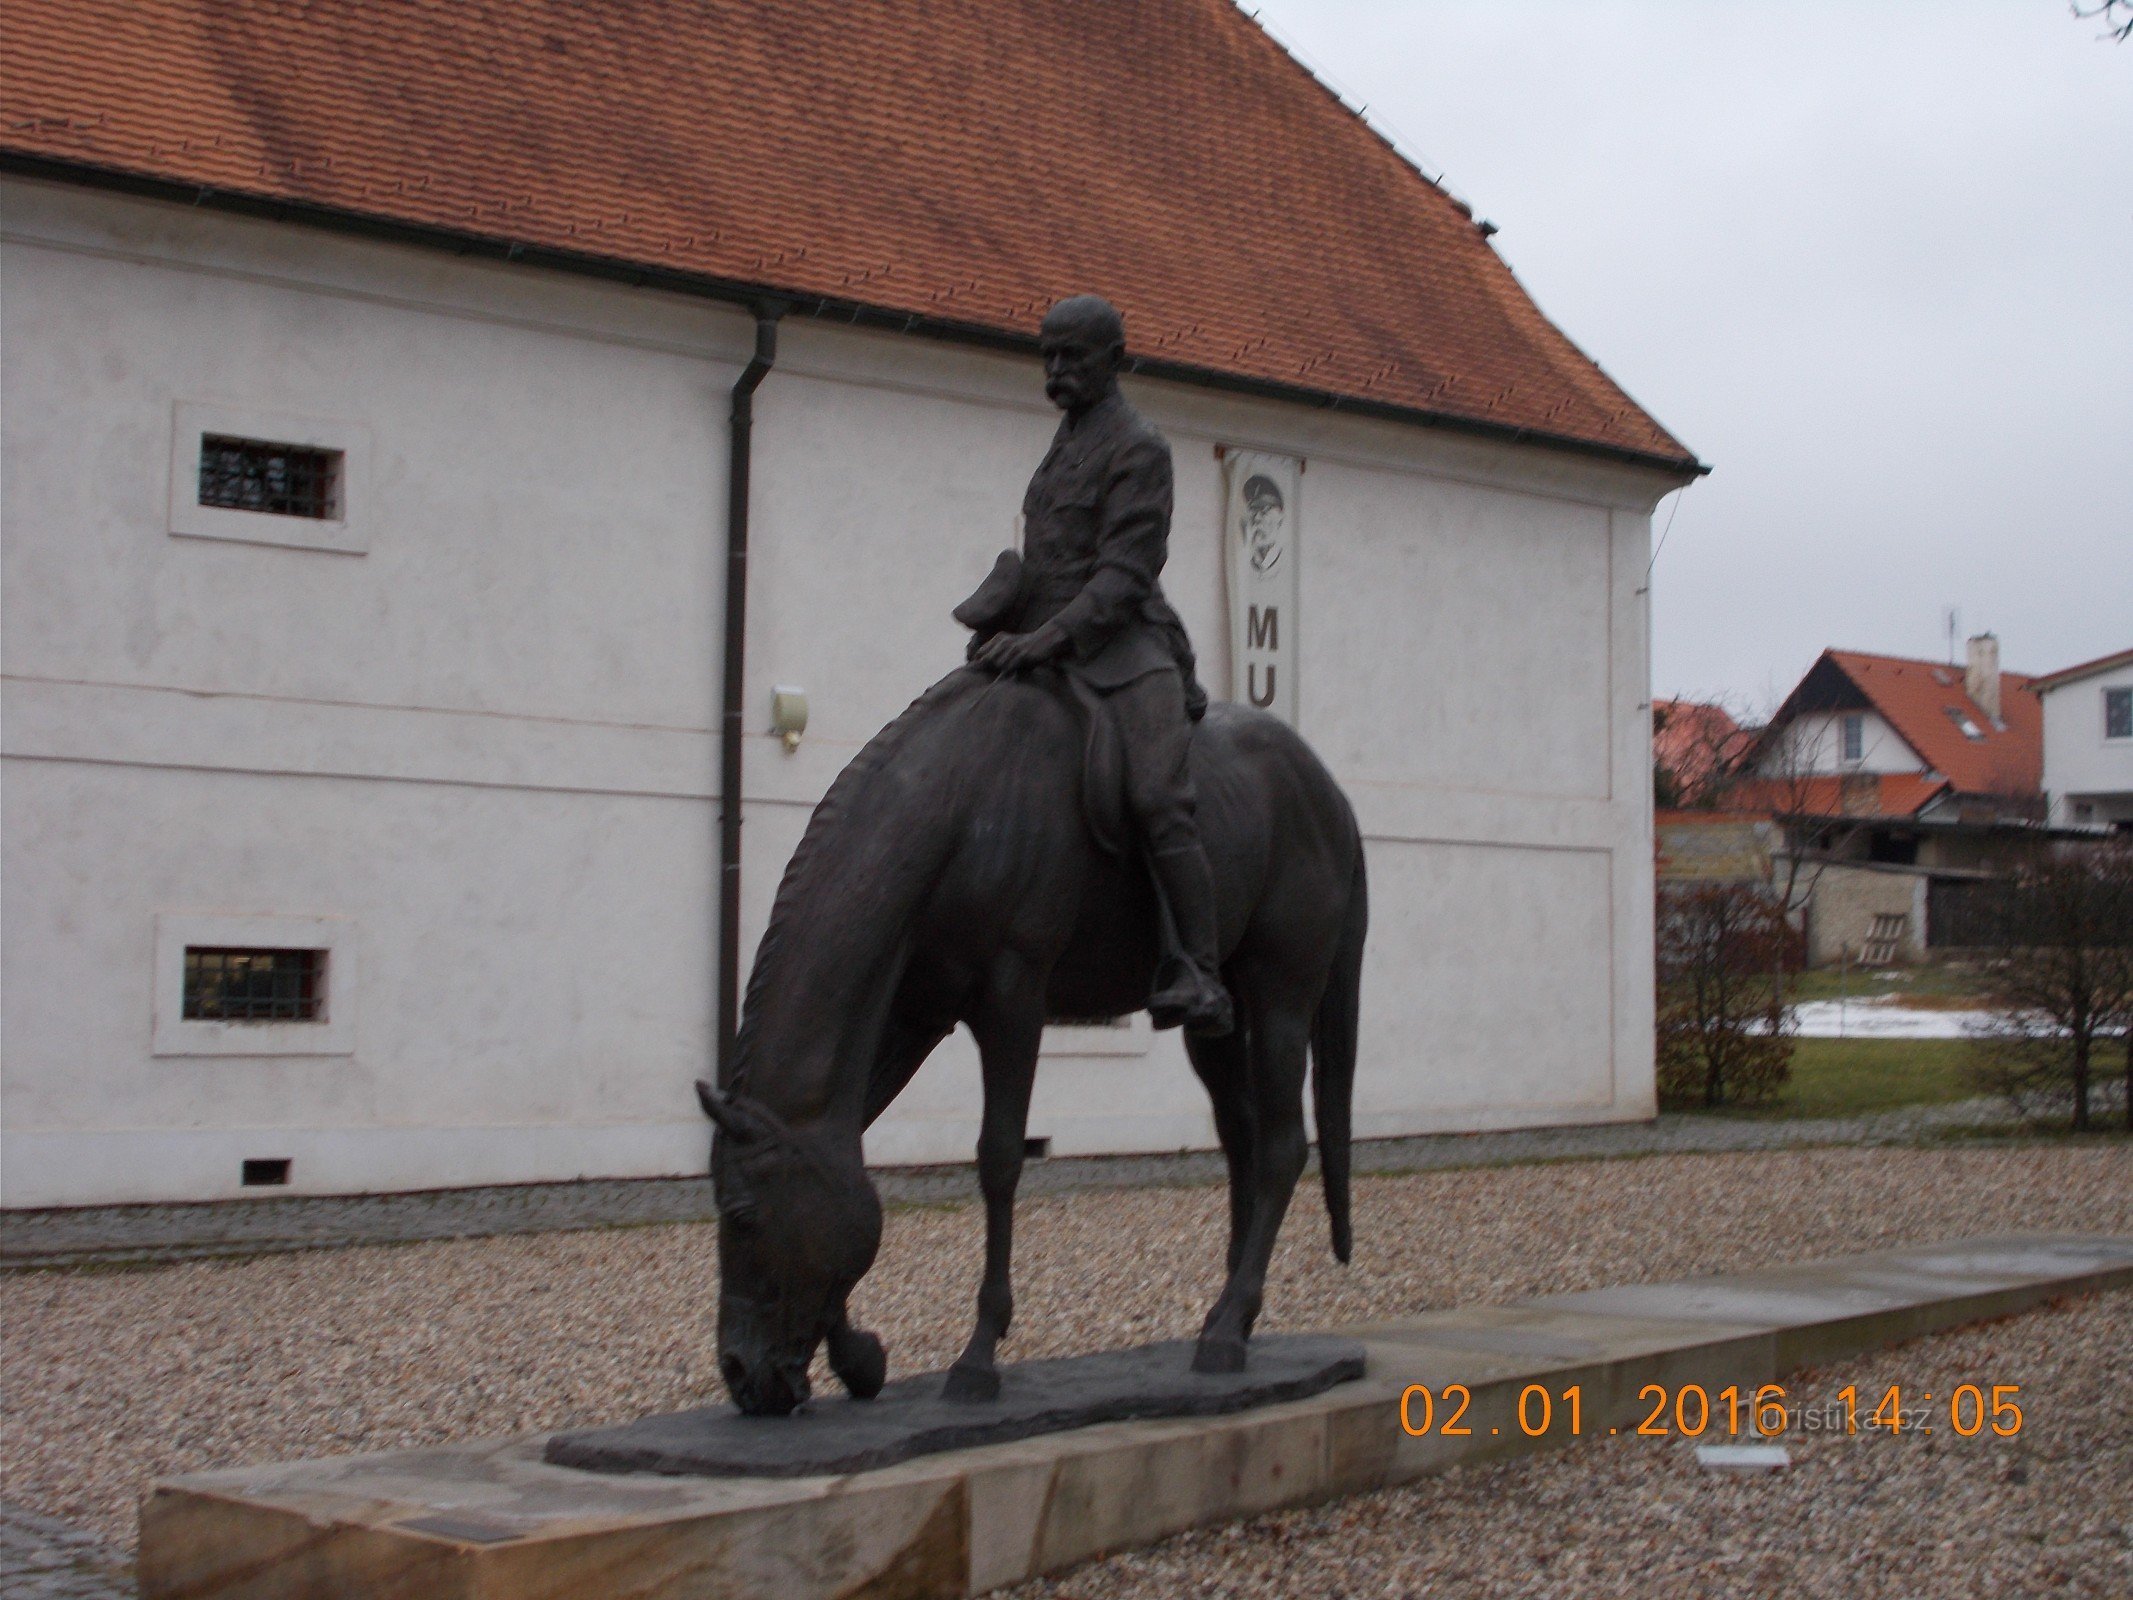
point(723, 1110)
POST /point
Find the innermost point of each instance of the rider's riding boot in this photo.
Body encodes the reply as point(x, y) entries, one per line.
point(1189, 990)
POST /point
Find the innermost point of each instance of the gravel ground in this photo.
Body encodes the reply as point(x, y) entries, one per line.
point(114, 1377)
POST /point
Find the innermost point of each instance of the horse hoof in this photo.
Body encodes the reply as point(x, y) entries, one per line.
point(971, 1383)
point(1219, 1355)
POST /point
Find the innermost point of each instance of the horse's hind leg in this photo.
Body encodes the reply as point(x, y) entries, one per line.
point(1008, 1034)
point(1279, 1037)
point(1225, 1071)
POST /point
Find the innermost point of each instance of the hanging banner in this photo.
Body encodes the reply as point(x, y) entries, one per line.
point(1260, 528)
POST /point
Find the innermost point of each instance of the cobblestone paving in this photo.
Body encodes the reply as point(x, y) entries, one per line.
point(119, 1235)
point(45, 1559)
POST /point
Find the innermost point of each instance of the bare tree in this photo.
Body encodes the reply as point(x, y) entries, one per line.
point(1725, 1032)
point(1744, 763)
point(2059, 984)
point(2117, 16)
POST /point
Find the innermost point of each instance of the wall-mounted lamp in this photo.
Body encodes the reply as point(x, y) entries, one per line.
point(788, 714)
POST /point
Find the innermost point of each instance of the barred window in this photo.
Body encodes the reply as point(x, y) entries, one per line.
point(230, 984)
point(283, 480)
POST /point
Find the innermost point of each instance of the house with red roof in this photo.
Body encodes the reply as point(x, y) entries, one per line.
point(1912, 745)
point(476, 473)
point(2088, 743)
point(1906, 782)
point(1696, 745)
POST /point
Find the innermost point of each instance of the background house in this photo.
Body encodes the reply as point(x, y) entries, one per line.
point(366, 431)
point(2088, 742)
point(1901, 786)
point(1696, 746)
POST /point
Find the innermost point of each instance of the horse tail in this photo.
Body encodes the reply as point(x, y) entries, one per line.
point(1333, 1047)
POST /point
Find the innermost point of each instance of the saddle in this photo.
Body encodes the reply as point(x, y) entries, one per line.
point(1103, 768)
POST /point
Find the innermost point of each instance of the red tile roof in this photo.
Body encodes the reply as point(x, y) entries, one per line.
point(954, 164)
point(1855, 794)
point(1917, 699)
point(1696, 743)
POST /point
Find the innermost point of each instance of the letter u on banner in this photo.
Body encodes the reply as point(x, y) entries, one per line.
point(1262, 521)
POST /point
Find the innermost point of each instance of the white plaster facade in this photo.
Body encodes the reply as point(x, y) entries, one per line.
point(474, 741)
point(2088, 772)
point(1813, 743)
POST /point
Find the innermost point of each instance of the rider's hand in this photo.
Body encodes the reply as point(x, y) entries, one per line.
point(1017, 652)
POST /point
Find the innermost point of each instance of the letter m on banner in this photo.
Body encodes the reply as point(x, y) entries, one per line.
point(1262, 524)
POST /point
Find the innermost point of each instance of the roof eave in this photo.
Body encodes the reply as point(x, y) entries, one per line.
point(239, 202)
point(2049, 681)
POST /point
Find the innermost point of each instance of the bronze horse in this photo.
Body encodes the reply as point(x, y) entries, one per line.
point(958, 871)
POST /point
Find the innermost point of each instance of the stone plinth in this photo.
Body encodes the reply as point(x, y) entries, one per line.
point(494, 1521)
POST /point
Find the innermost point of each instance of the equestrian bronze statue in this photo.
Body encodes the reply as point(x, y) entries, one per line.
point(1062, 828)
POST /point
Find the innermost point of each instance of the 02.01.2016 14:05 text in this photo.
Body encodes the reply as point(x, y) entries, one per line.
point(1690, 1411)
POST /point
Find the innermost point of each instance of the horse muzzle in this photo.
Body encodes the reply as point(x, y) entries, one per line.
point(765, 1388)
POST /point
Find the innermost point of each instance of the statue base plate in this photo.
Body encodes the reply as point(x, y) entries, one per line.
point(910, 1417)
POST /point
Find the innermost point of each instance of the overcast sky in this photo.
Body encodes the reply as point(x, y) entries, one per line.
point(1871, 259)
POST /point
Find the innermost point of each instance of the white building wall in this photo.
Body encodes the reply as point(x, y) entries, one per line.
point(483, 748)
point(1814, 743)
point(2083, 768)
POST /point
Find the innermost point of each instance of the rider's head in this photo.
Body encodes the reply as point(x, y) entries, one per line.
point(1084, 344)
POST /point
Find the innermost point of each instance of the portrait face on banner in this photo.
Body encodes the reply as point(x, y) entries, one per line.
point(1262, 528)
point(1261, 522)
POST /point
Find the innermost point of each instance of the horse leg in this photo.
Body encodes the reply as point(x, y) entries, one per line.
point(1225, 1071)
point(855, 1355)
point(1008, 1034)
point(858, 1358)
point(1279, 1037)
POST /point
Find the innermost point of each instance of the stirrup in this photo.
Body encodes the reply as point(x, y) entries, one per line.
point(1198, 1004)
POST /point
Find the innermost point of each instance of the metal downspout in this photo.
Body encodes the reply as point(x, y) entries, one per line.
point(729, 744)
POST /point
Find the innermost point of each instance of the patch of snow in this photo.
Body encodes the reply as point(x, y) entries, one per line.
point(1881, 1017)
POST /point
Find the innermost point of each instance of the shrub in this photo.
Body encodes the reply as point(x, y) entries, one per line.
point(2059, 983)
point(1725, 1033)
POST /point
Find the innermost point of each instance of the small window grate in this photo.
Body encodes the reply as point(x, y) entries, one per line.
point(226, 984)
point(283, 480)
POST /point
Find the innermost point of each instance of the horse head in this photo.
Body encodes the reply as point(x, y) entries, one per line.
point(798, 1225)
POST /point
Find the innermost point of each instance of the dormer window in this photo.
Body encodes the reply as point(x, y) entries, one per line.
point(1963, 720)
point(1852, 736)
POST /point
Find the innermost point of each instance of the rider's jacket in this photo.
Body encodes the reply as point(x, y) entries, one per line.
point(1095, 534)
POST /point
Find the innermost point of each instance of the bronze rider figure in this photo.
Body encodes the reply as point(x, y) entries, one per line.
point(1085, 596)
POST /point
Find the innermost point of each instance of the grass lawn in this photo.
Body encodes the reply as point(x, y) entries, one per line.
point(1845, 1077)
point(1930, 986)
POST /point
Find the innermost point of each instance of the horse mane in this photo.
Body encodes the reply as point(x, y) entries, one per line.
point(831, 814)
